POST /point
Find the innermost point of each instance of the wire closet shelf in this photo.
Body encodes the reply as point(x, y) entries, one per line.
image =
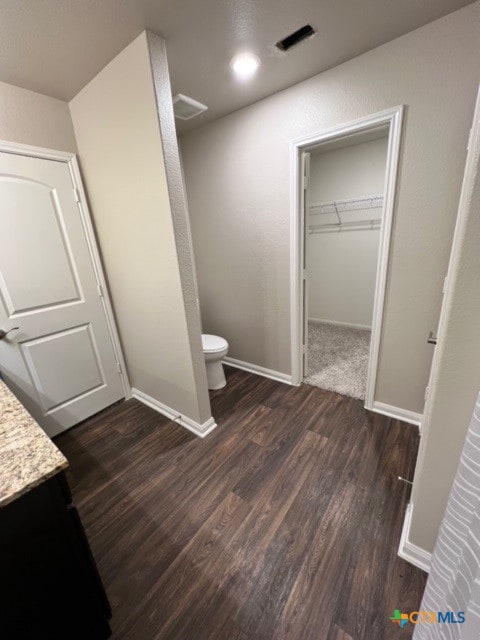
point(341, 215)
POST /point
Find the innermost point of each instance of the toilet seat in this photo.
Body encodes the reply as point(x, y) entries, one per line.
point(213, 344)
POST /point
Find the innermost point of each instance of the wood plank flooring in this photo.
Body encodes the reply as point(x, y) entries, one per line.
point(284, 523)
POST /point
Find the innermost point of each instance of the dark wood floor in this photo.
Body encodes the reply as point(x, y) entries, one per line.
point(282, 524)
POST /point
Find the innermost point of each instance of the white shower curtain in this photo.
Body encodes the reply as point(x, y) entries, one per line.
point(454, 580)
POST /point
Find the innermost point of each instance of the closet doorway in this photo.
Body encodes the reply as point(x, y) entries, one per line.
point(342, 210)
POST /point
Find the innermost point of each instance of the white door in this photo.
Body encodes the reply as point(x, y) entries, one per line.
point(60, 360)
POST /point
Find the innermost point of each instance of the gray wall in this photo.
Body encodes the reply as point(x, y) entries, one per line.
point(237, 175)
point(32, 118)
point(120, 145)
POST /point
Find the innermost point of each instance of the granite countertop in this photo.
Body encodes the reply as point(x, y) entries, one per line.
point(27, 455)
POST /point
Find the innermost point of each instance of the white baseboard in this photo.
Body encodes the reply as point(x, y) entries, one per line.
point(198, 429)
point(340, 324)
point(261, 371)
point(409, 551)
point(395, 412)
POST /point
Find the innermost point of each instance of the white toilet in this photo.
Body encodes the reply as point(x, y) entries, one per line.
point(214, 349)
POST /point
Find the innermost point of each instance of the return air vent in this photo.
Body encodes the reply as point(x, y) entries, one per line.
point(186, 108)
point(295, 38)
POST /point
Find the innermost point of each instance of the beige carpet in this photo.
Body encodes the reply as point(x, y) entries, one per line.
point(338, 358)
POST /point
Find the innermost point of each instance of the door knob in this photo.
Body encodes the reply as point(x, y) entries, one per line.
point(5, 333)
point(431, 338)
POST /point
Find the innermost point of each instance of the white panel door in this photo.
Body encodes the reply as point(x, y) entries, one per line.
point(60, 360)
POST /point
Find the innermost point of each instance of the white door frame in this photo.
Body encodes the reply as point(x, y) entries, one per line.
point(393, 119)
point(71, 160)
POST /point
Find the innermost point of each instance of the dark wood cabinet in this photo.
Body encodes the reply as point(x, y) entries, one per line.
point(50, 586)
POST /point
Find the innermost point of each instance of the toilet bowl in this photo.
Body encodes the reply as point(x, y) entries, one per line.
point(214, 349)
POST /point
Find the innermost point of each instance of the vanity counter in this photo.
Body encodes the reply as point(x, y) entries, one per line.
point(27, 455)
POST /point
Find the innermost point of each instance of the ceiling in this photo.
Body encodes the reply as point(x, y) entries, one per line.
point(56, 46)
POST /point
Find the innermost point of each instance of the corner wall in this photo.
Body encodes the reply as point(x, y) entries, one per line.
point(120, 147)
point(238, 183)
point(180, 218)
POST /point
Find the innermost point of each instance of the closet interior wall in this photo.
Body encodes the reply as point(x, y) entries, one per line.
point(342, 260)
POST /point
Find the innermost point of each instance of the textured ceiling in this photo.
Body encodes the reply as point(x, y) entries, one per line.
point(56, 46)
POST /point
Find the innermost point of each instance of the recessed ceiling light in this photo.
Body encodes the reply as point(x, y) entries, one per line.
point(245, 64)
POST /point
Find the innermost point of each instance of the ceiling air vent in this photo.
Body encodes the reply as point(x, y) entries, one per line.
point(295, 38)
point(186, 108)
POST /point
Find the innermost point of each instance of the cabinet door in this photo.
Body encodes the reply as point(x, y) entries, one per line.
point(50, 588)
